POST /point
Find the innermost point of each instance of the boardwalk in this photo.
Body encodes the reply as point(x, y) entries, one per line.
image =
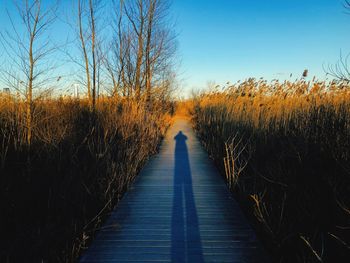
point(179, 210)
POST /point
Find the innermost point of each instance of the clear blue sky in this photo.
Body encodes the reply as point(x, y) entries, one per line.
point(229, 40)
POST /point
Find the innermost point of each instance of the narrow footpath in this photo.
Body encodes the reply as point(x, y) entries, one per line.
point(178, 210)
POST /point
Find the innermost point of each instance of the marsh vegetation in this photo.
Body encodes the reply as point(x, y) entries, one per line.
point(66, 160)
point(284, 150)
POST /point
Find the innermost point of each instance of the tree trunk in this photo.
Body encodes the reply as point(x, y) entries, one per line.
point(148, 52)
point(86, 59)
point(93, 51)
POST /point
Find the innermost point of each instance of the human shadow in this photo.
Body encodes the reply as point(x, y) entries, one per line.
point(186, 245)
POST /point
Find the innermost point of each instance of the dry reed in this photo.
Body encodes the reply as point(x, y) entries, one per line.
point(55, 193)
point(285, 150)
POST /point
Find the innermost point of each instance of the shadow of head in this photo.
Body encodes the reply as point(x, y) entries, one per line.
point(180, 137)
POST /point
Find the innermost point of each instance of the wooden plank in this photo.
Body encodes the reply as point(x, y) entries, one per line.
point(178, 210)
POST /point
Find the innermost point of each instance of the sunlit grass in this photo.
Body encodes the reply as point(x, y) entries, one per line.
point(56, 193)
point(284, 148)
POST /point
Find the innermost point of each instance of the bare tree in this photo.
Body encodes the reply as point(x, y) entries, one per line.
point(89, 45)
point(84, 50)
point(135, 11)
point(340, 70)
point(27, 46)
point(115, 52)
point(160, 50)
point(150, 27)
point(154, 42)
point(141, 50)
point(123, 48)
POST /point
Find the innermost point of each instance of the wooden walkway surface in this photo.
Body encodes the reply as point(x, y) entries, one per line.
point(178, 210)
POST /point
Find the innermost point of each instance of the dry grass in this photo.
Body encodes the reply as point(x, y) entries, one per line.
point(285, 151)
point(55, 193)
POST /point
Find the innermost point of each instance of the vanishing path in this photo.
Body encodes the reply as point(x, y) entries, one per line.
point(178, 210)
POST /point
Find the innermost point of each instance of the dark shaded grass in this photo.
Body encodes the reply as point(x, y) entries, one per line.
point(298, 171)
point(55, 194)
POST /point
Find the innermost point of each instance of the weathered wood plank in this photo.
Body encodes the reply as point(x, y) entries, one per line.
point(178, 210)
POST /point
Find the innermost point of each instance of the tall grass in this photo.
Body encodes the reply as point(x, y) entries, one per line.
point(55, 193)
point(284, 148)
